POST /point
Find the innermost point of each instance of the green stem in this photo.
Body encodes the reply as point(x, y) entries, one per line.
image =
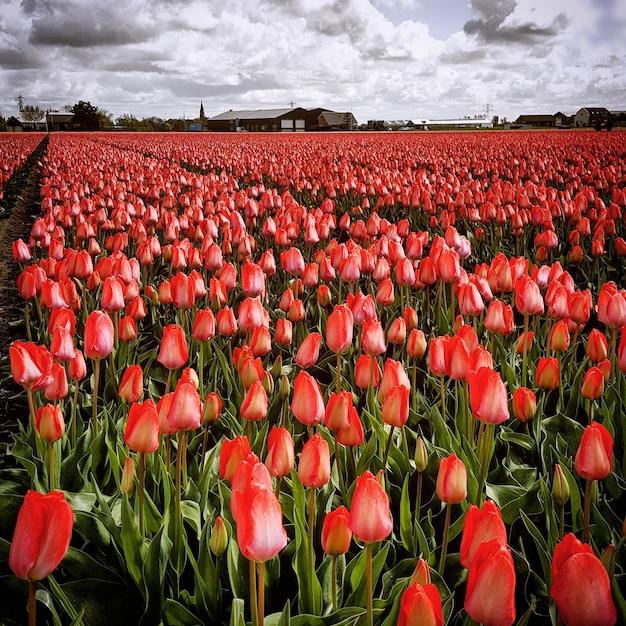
point(386, 455)
point(333, 583)
point(338, 380)
point(561, 521)
point(32, 602)
point(586, 511)
point(310, 540)
point(368, 583)
point(442, 388)
point(444, 545)
point(484, 441)
point(94, 398)
point(73, 419)
point(525, 351)
point(261, 595)
point(418, 495)
point(254, 607)
point(142, 471)
point(50, 466)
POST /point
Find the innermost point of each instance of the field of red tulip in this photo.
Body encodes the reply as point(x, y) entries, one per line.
point(319, 380)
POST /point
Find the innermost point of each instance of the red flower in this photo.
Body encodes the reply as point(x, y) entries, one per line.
point(173, 352)
point(307, 403)
point(49, 422)
point(99, 335)
point(479, 526)
point(547, 374)
point(309, 350)
point(420, 605)
point(452, 480)
point(528, 299)
point(395, 410)
point(524, 404)
point(254, 405)
point(352, 435)
point(185, 412)
point(280, 453)
point(592, 387)
point(394, 375)
point(438, 355)
point(131, 387)
point(488, 396)
point(492, 568)
point(42, 535)
point(142, 427)
point(260, 532)
point(231, 455)
point(336, 533)
point(373, 337)
point(339, 329)
point(204, 325)
point(594, 456)
point(314, 465)
point(284, 332)
point(337, 410)
point(580, 585)
point(370, 517)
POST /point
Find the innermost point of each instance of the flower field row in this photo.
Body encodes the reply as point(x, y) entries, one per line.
point(321, 379)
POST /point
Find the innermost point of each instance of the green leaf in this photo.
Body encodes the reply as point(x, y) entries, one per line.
point(237, 613)
point(406, 519)
point(357, 575)
point(132, 543)
point(175, 614)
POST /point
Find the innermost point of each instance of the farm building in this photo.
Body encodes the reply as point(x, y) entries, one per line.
point(592, 117)
point(281, 120)
point(535, 121)
point(427, 124)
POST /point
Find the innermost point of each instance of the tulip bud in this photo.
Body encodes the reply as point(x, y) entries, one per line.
point(284, 387)
point(421, 455)
point(128, 477)
point(314, 465)
point(594, 456)
point(547, 374)
point(49, 422)
point(416, 346)
point(592, 387)
point(370, 517)
point(277, 367)
point(421, 573)
point(560, 487)
point(524, 404)
point(219, 537)
point(212, 408)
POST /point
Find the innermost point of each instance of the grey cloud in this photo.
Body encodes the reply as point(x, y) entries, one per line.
point(87, 29)
point(462, 57)
point(11, 59)
point(489, 26)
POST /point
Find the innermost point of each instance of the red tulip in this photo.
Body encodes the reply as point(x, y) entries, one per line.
point(260, 532)
point(457, 357)
point(314, 465)
point(25, 365)
point(49, 422)
point(182, 290)
point(336, 533)
point(492, 568)
point(112, 295)
point(438, 355)
point(592, 386)
point(99, 335)
point(524, 404)
point(212, 408)
point(339, 329)
point(62, 344)
point(373, 338)
point(363, 371)
point(77, 368)
point(580, 585)
point(252, 279)
point(296, 310)
point(231, 455)
point(292, 261)
point(416, 345)
point(142, 427)
point(395, 410)
point(261, 341)
point(370, 517)
point(21, 251)
point(249, 470)
point(309, 350)
point(307, 403)
point(185, 412)
point(280, 452)
point(597, 346)
point(173, 352)
point(255, 403)
point(131, 387)
point(547, 374)
point(420, 605)
point(284, 332)
point(204, 325)
point(594, 457)
point(479, 526)
point(337, 410)
point(42, 535)
point(559, 339)
point(385, 294)
point(528, 299)
point(226, 322)
point(524, 339)
point(612, 306)
point(451, 480)
point(499, 318)
point(488, 396)
point(56, 388)
point(396, 334)
point(127, 328)
point(353, 434)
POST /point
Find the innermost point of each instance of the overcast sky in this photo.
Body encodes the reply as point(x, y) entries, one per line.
point(380, 59)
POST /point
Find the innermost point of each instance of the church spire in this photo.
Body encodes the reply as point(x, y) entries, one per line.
point(202, 116)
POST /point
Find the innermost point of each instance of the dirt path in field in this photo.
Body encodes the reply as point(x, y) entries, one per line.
point(23, 206)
